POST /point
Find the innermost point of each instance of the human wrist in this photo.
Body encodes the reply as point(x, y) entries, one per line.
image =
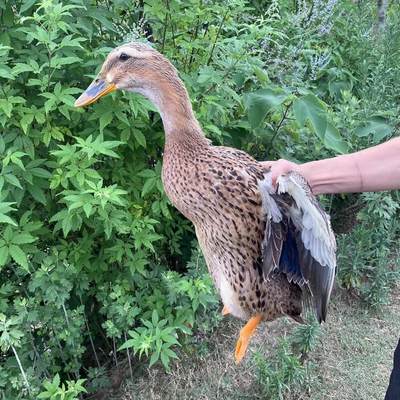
point(308, 172)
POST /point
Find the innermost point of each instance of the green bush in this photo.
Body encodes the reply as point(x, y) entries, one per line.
point(86, 233)
point(92, 255)
point(368, 255)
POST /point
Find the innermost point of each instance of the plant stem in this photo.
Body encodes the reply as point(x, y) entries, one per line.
point(194, 37)
point(91, 339)
point(164, 33)
point(73, 342)
point(217, 36)
point(60, 349)
point(38, 356)
point(115, 353)
point(271, 142)
point(66, 316)
point(172, 24)
point(21, 368)
point(129, 358)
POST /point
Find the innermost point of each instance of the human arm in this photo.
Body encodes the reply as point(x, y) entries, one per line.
point(370, 170)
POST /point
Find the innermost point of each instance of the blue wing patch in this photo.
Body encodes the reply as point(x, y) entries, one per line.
point(289, 262)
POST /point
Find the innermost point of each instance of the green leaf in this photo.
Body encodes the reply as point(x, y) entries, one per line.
point(40, 172)
point(18, 256)
point(26, 121)
point(98, 13)
point(19, 68)
point(23, 238)
point(59, 216)
point(148, 186)
point(26, 5)
point(5, 219)
point(154, 358)
point(58, 62)
point(6, 72)
point(105, 120)
point(310, 108)
point(3, 255)
point(66, 225)
point(6, 107)
point(56, 380)
point(139, 137)
point(128, 344)
point(261, 75)
point(13, 180)
point(334, 141)
point(378, 126)
point(170, 353)
point(258, 104)
point(147, 173)
point(165, 360)
point(40, 117)
point(47, 137)
point(37, 193)
point(87, 208)
point(154, 317)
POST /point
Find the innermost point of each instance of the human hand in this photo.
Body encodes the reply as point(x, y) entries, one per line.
point(280, 167)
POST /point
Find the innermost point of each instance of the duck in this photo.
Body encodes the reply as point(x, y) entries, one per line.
point(269, 249)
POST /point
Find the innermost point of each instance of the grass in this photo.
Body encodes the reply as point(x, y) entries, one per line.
point(353, 360)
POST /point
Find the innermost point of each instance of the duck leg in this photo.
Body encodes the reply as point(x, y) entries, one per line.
point(244, 337)
point(225, 311)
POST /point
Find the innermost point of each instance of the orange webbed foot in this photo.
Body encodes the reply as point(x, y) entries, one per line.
point(225, 311)
point(244, 337)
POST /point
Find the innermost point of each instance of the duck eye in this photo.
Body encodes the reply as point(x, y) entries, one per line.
point(124, 56)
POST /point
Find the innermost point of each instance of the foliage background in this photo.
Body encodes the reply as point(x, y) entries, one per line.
point(95, 263)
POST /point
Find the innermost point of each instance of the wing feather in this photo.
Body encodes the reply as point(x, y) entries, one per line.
point(273, 233)
point(298, 238)
point(315, 226)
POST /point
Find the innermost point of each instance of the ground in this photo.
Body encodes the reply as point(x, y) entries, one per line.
point(352, 360)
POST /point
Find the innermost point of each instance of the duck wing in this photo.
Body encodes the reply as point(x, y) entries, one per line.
point(298, 238)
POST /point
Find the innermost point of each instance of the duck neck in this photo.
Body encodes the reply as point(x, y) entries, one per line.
point(173, 103)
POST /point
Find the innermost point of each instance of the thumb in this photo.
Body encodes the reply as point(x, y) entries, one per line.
point(267, 165)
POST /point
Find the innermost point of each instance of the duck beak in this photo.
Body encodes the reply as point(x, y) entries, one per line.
point(98, 88)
